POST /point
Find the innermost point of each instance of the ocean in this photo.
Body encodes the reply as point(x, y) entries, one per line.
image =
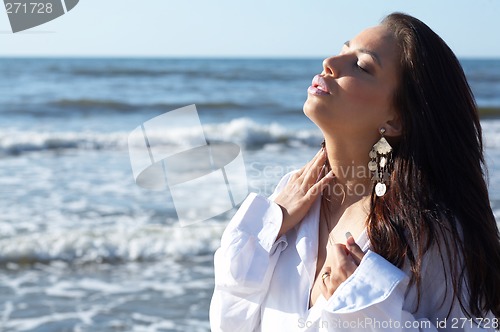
point(82, 247)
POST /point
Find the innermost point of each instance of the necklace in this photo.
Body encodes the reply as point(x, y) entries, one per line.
point(331, 238)
point(343, 194)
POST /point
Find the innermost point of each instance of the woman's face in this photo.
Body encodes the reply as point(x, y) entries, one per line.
point(354, 93)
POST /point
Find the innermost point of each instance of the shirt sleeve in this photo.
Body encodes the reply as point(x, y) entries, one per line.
point(373, 299)
point(245, 262)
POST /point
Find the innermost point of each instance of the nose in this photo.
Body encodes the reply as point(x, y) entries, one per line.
point(331, 66)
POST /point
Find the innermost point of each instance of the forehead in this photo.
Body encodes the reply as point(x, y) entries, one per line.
point(378, 40)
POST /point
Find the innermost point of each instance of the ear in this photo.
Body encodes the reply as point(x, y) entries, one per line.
point(393, 127)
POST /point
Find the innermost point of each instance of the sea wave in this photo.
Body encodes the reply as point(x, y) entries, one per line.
point(85, 104)
point(111, 244)
point(251, 134)
point(243, 71)
point(242, 131)
point(118, 72)
point(20, 142)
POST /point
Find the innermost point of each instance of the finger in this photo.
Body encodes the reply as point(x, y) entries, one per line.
point(317, 170)
point(324, 285)
point(318, 159)
point(299, 172)
point(336, 252)
point(320, 185)
point(354, 250)
point(311, 176)
point(339, 256)
point(321, 172)
point(307, 165)
point(324, 290)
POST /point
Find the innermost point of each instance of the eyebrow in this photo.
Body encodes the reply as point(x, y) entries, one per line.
point(364, 50)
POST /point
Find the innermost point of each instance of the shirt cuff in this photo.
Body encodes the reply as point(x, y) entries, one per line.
point(260, 218)
point(373, 281)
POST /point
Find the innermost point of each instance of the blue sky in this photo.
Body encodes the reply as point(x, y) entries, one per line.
point(257, 28)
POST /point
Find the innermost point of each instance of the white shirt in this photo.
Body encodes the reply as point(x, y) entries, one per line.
point(264, 284)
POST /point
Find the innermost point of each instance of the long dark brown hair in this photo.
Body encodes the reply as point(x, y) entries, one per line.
point(438, 194)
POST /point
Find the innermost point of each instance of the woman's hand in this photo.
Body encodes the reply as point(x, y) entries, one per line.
point(341, 262)
point(301, 191)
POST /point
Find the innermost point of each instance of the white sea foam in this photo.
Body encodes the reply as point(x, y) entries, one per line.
point(491, 133)
point(243, 131)
point(112, 243)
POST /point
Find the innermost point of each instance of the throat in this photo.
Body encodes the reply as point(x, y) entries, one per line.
point(343, 215)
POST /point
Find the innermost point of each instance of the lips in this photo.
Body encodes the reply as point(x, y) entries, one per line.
point(318, 86)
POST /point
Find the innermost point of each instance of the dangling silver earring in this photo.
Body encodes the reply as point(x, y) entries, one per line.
point(380, 164)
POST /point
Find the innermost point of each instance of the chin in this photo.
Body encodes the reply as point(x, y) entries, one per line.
point(309, 108)
point(319, 114)
point(313, 111)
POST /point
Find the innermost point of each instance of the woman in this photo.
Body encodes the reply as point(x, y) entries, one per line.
point(427, 248)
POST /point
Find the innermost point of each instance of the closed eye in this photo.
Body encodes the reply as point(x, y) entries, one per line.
point(362, 68)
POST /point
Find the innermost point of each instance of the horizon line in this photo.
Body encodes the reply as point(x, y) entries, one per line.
point(200, 57)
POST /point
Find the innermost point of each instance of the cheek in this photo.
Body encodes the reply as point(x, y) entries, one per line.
point(365, 98)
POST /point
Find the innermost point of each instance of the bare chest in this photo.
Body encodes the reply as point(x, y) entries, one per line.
point(326, 237)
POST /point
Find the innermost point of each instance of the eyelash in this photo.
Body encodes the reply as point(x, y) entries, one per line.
point(361, 68)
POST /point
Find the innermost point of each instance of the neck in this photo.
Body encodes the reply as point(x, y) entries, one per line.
point(349, 162)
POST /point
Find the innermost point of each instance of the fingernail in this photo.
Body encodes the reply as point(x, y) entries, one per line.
point(320, 172)
point(350, 239)
point(331, 174)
